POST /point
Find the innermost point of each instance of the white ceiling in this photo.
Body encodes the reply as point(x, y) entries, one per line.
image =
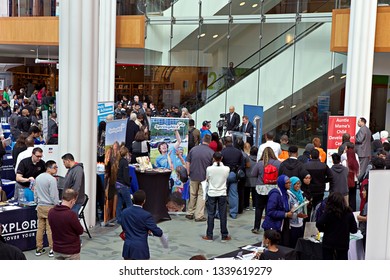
point(27, 51)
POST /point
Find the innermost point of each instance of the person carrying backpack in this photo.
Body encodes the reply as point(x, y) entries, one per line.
point(266, 171)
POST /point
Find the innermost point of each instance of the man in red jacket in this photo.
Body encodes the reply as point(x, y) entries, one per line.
point(66, 228)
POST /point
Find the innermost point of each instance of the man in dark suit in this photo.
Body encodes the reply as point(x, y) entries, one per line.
point(131, 131)
point(232, 120)
point(363, 145)
point(247, 128)
point(137, 223)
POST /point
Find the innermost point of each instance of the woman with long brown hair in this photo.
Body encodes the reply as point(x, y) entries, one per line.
point(351, 160)
point(262, 189)
point(111, 163)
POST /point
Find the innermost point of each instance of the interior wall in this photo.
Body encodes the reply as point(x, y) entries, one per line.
point(378, 109)
point(381, 64)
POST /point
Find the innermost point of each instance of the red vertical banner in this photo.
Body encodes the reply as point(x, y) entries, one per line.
point(337, 126)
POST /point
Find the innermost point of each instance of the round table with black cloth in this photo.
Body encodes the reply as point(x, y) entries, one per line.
point(156, 186)
point(308, 250)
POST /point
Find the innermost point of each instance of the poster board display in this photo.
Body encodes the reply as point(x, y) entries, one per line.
point(115, 135)
point(255, 116)
point(337, 126)
point(104, 109)
point(173, 132)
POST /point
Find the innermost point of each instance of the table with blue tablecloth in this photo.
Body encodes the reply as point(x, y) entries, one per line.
point(106, 208)
point(132, 174)
point(9, 187)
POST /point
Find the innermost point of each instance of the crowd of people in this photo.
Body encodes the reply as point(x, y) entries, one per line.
point(274, 176)
point(288, 188)
point(60, 222)
point(24, 113)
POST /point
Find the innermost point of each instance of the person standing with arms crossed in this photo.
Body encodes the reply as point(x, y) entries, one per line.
point(74, 179)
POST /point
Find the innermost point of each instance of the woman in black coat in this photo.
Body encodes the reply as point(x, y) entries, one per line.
point(336, 223)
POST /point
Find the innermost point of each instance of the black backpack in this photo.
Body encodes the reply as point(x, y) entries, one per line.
point(191, 139)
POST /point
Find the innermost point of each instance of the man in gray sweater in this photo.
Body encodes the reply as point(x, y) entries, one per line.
point(340, 177)
point(74, 179)
point(46, 196)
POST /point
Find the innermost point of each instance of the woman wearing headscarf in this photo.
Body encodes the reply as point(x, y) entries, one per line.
point(295, 199)
point(278, 210)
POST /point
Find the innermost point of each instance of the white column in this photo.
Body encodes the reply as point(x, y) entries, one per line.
point(387, 120)
point(378, 218)
point(4, 12)
point(78, 56)
point(107, 39)
point(361, 42)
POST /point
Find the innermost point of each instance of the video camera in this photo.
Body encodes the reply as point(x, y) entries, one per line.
point(222, 124)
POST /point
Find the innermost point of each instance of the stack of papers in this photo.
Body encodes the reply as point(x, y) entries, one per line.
point(253, 248)
point(300, 206)
point(10, 207)
point(355, 236)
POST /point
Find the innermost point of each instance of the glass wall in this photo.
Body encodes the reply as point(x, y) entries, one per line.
point(209, 55)
point(26, 8)
point(152, 8)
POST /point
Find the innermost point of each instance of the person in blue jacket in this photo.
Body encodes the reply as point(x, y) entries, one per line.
point(137, 223)
point(278, 209)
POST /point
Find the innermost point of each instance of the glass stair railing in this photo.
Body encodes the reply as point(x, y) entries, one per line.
point(300, 112)
point(253, 63)
point(261, 57)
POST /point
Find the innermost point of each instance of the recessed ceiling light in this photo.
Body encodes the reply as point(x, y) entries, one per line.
point(215, 36)
point(32, 50)
point(202, 35)
point(343, 77)
point(293, 106)
point(281, 107)
point(242, 3)
point(330, 77)
point(255, 5)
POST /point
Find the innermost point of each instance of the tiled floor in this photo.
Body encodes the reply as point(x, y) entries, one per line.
point(184, 240)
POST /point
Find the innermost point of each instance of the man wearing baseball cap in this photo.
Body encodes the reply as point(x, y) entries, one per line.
point(206, 125)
